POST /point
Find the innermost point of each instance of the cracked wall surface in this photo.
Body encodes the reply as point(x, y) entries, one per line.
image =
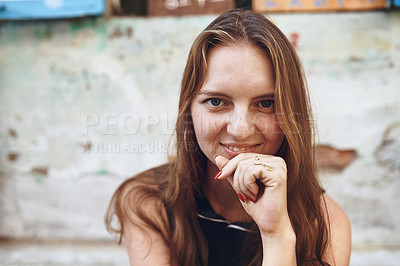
point(84, 104)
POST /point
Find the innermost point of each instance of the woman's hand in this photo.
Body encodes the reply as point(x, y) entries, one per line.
point(260, 182)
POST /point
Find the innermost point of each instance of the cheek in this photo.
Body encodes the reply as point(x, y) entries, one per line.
point(205, 125)
point(277, 126)
point(269, 125)
point(277, 132)
point(272, 134)
point(207, 129)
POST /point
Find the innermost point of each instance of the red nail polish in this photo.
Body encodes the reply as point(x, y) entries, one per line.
point(254, 195)
point(218, 174)
point(250, 199)
point(216, 155)
point(241, 197)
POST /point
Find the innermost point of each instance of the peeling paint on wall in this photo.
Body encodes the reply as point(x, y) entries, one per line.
point(332, 159)
point(40, 170)
point(13, 156)
point(86, 103)
point(388, 152)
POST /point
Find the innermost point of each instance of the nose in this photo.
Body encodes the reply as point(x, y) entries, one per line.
point(241, 124)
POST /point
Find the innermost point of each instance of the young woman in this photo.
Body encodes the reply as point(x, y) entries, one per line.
point(242, 189)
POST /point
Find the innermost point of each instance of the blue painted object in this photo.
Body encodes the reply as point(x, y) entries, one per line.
point(396, 3)
point(49, 9)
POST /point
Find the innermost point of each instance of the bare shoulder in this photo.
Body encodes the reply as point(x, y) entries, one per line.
point(337, 215)
point(339, 246)
point(146, 232)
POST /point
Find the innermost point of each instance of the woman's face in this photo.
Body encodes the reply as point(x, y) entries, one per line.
point(234, 110)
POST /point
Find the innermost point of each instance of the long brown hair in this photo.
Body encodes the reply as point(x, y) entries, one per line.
point(185, 175)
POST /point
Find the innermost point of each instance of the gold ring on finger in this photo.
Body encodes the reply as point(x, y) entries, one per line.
point(268, 167)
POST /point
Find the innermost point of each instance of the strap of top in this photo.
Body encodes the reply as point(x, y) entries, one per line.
point(206, 212)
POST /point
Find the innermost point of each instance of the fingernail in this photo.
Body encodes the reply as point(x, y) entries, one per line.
point(216, 155)
point(218, 174)
point(250, 199)
point(241, 197)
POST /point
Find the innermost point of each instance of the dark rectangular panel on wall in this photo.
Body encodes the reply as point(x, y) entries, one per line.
point(49, 9)
point(187, 7)
point(317, 5)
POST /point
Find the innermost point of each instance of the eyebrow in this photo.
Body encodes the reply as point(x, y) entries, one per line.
point(215, 93)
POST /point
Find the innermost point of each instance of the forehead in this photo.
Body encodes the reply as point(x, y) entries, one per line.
point(239, 66)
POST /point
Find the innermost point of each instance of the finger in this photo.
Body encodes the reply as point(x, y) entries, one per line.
point(242, 177)
point(220, 161)
point(237, 177)
point(230, 166)
point(248, 183)
point(248, 194)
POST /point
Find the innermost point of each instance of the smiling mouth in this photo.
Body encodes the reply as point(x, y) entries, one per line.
point(239, 149)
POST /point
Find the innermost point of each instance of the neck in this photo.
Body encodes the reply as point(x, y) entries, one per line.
point(222, 197)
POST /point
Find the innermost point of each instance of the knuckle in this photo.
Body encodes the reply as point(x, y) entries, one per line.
point(282, 162)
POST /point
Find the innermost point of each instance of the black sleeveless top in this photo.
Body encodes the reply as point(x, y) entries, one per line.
point(225, 240)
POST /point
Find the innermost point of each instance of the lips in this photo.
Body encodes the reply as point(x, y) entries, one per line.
point(236, 148)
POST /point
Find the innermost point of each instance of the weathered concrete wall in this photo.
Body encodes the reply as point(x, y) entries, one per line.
point(85, 104)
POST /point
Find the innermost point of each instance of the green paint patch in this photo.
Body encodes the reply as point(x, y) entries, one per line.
point(96, 25)
point(8, 33)
point(102, 172)
point(44, 33)
point(38, 179)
